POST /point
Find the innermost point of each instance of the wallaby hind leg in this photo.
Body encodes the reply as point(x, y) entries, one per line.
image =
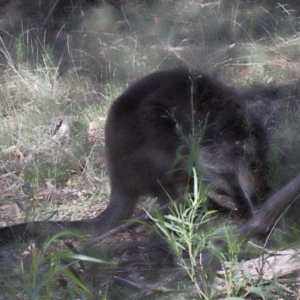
point(120, 208)
point(122, 204)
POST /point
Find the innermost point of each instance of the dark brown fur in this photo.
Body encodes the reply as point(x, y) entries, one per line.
point(148, 127)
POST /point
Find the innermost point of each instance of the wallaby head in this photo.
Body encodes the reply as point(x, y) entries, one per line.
point(146, 130)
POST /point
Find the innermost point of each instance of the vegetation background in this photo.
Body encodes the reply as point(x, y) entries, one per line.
point(63, 62)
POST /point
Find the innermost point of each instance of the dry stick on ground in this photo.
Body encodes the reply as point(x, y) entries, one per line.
point(122, 227)
point(219, 199)
point(260, 223)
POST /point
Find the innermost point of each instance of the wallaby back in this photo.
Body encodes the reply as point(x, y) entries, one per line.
point(151, 124)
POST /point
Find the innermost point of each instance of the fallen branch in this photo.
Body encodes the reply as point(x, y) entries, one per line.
point(268, 266)
point(222, 200)
point(142, 218)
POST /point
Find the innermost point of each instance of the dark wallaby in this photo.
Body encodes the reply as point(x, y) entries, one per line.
point(147, 130)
